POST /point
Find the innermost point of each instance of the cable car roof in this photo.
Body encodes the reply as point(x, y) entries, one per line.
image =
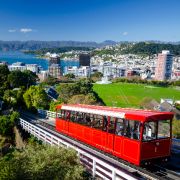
point(128, 113)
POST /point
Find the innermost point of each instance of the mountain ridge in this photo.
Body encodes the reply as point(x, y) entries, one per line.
point(36, 45)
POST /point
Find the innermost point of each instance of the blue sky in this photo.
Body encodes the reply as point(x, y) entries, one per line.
point(90, 20)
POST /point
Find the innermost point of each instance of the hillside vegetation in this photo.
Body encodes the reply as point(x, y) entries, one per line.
point(151, 48)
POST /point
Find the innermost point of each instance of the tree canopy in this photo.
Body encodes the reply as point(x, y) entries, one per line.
point(35, 97)
point(176, 128)
point(4, 72)
point(7, 123)
point(66, 91)
point(41, 162)
point(70, 76)
point(148, 48)
point(83, 99)
point(18, 79)
point(80, 92)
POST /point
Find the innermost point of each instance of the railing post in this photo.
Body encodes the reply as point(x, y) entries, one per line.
point(94, 168)
point(113, 174)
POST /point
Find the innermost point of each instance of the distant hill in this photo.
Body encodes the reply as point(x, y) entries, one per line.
point(147, 47)
point(150, 48)
point(36, 45)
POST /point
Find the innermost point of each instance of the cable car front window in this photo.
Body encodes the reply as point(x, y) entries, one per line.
point(132, 129)
point(150, 129)
point(163, 129)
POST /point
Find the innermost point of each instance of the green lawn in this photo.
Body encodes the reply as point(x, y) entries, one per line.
point(130, 95)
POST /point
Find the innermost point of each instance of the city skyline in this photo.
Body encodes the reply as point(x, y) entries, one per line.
point(95, 20)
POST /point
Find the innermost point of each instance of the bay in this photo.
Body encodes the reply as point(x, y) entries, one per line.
point(18, 56)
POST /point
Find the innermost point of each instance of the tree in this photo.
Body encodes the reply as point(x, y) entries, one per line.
point(66, 91)
point(35, 97)
point(7, 123)
point(176, 128)
point(83, 99)
point(41, 162)
point(30, 77)
point(18, 79)
point(14, 98)
point(70, 76)
point(82, 87)
point(5, 126)
point(4, 72)
point(9, 97)
point(96, 76)
point(50, 81)
point(53, 104)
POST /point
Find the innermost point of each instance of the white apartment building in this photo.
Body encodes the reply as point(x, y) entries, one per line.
point(32, 67)
point(82, 71)
point(17, 66)
point(22, 67)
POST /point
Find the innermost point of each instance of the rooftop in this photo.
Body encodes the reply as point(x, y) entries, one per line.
point(128, 113)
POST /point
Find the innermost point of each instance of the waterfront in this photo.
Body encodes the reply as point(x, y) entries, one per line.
point(18, 56)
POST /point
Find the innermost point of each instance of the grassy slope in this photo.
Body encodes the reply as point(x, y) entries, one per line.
point(130, 95)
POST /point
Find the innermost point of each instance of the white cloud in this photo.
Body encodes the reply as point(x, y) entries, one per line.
point(25, 30)
point(12, 30)
point(125, 33)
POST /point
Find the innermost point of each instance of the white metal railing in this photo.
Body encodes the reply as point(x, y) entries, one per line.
point(48, 113)
point(97, 166)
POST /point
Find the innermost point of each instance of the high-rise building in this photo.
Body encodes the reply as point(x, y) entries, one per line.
point(84, 60)
point(55, 70)
point(54, 59)
point(164, 66)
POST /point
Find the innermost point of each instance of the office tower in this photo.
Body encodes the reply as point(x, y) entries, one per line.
point(84, 60)
point(54, 59)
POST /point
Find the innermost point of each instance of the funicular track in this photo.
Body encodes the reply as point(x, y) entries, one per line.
point(135, 172)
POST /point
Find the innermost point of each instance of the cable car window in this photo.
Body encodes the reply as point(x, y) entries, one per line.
point(68, 113)
point(58, 115)
point(105, 123)
point(63, 114)
point(88, 120)
point(119, 127)
point(150, 129)
point(132, 129)
point(163, 129)
point(73, 116)
point(80, 118)
point(111, 127)
point(97, 122)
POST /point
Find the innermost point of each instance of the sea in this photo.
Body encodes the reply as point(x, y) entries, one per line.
point(18, 56)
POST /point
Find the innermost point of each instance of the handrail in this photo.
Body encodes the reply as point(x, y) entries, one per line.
point(95, 165)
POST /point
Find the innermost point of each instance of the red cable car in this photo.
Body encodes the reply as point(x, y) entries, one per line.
point(137, 136)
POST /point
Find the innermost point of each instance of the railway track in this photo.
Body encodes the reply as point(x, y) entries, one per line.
point(152, 172)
